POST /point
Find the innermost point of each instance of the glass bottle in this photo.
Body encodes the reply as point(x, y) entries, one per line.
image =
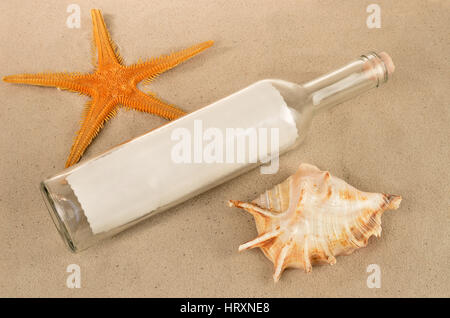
point(105, 195)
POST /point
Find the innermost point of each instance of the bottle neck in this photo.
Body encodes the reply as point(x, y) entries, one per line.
point(369, 71)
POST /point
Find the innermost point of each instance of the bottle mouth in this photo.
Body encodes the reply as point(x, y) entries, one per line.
point(379, 66)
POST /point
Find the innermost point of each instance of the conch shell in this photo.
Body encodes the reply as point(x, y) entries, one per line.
point(312, 217)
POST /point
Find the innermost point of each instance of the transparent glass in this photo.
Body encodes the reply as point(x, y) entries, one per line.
point(109, 193)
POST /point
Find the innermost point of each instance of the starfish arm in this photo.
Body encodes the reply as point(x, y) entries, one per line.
point(96, 113)
point(150, 104)
point(73, 82)
point(106, 49)
point(153, 67)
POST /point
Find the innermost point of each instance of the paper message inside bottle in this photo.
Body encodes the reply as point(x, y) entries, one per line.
point(141, 176)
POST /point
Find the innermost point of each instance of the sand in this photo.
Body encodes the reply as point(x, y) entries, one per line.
point(393, 139)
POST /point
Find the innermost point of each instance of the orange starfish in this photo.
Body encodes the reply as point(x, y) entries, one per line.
point(111, 84)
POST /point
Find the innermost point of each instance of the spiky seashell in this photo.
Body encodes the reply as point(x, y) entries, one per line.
point(312, 217)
